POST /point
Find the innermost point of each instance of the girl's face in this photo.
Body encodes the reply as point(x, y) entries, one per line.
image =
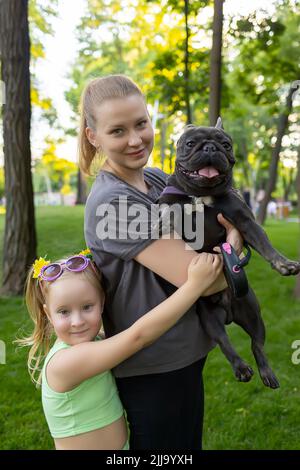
point(74, 308)
point(124, 132)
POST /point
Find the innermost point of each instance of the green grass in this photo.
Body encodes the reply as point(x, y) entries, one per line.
point(237, 416)
point(249, 415)
point(22, 423)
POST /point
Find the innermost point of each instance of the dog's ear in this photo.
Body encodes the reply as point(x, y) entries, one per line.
point(219, 124)
point(188, 127)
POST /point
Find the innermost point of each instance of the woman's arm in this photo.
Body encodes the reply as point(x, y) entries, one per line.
point(69, 367)
point(170, 258)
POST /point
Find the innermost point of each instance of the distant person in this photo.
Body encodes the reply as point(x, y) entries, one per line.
point(272, 209)
point(79, 394)
point(260, 195)
point(259, 198)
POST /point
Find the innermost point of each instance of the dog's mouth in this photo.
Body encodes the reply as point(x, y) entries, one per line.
point(208, 172)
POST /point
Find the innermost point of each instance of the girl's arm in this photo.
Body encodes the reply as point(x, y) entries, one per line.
point(69, 367)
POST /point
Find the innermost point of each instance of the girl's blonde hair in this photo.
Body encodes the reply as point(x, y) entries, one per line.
point(41, 338)
point(94, 94)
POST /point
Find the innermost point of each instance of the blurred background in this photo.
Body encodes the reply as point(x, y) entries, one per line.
point(170, 48)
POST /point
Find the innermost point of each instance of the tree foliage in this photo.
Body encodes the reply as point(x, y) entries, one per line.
point(259, 68)
point(40, 15)
point(148, 43)
point(59, 171)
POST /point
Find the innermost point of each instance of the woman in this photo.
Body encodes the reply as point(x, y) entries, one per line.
point(161, 387)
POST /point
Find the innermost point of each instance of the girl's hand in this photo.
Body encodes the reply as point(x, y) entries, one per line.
point(203, 270)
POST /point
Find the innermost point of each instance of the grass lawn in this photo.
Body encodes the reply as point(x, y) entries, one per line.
point(238, 415)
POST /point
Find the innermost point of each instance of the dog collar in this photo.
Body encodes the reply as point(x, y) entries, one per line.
point(196, 204)
point(196, 200)
point(173, 190)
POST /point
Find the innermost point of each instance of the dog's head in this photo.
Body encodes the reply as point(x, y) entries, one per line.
point(204, 160)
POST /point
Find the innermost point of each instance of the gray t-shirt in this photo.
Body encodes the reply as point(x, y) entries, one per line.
point(131, 289)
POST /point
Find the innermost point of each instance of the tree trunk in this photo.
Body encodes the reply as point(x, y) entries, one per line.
point(288, 184)
point(81, 188)
point(163, 135)
point(281, 130)
point(215, 64)
point(244, 161)
point(171, 158)
point(297, 287)
point(20, 235)
point(186, 64)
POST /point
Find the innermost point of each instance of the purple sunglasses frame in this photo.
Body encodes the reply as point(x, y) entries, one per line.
point(64, 265)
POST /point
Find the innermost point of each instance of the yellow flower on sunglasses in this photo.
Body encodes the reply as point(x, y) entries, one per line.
point(37, 265)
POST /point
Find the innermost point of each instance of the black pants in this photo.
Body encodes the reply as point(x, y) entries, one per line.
point(165, 411)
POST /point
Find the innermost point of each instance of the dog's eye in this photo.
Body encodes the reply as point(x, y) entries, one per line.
point(226, 145)
point(190, 143)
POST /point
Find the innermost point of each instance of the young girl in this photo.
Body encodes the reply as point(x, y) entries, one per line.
point(161, 386)
point(79, 395)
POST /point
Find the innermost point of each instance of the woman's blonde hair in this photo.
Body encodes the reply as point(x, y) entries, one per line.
point(94, 94)
point(41, 339)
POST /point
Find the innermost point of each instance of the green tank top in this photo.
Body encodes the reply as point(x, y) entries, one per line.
point(94, 404)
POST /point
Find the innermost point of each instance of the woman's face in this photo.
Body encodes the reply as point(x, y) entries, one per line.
point(123, 132)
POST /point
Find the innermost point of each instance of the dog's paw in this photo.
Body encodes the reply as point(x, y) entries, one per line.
point(243, 372)
point(269, 378)
point(285, 266)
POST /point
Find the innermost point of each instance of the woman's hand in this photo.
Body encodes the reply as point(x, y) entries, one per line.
point(233, 236)
point(203, 270)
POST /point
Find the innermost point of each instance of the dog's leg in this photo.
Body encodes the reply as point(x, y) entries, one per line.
point(213, 318)
point(246, 313)
point(239, 214)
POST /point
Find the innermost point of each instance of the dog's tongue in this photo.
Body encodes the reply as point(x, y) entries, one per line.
point(208, 171)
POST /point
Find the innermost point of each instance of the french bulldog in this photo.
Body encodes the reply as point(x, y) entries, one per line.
point(203, 174)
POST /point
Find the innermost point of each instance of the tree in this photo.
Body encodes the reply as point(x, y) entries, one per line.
point(59, 171)
point(261, 63)
point(40, 12)
point(20, 234)
point(2, 184)
point(186, 64)
point(281, 131)
point(215, 64)
point(81, 188)
point(158, 45)
point(297, 287)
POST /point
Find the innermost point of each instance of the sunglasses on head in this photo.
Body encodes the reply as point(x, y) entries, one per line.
point(76, 264)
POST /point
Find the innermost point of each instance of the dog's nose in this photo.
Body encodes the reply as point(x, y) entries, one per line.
point(209, 148)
